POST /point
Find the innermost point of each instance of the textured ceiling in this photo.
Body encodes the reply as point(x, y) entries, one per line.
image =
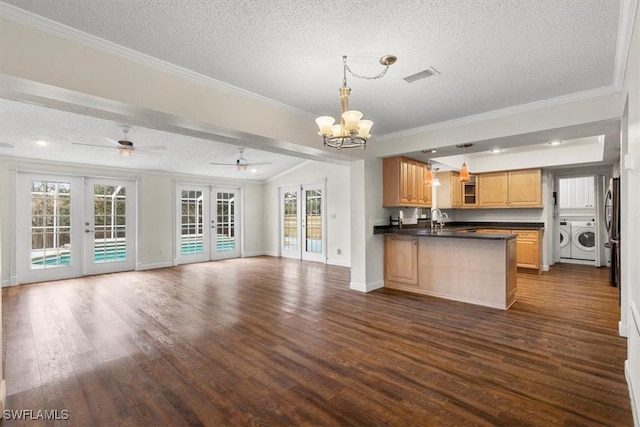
point(491, 54)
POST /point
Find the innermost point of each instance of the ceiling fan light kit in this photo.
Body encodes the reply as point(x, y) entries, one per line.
point(124, 146)
point(352, 131)
point(241, 163)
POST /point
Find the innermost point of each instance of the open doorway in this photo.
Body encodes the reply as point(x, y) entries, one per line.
point(581, 220)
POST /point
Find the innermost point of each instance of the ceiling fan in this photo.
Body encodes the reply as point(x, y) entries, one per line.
point(125, 147)
point(241, 164)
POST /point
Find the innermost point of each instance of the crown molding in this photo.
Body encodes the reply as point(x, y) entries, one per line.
point(49, 26)
point(494, 114)
point(623, 42)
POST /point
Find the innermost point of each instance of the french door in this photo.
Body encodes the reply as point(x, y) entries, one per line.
point(302, 222)
point(208, 220)
point(71, 226)
point(109, 226)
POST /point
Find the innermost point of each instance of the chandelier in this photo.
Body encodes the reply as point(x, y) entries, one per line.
point(352, 131)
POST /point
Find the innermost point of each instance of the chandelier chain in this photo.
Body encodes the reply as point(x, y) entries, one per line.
point(358, 76)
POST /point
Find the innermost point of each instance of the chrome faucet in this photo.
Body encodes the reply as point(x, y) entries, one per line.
point(437, 216)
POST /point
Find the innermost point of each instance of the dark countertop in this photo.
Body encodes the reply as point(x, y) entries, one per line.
point(461, 230)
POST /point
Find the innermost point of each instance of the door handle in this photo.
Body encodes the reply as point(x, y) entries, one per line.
point(88, 231)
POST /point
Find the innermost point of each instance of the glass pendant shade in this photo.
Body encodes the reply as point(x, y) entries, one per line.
point(435, 182)
point(428, 176)
point(464, 173)
point(364, 127)
point(351, 119)
point(325, 123)
point(336, 130)
point(125, 152)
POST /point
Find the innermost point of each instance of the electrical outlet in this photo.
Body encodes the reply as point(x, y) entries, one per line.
point(338, 251)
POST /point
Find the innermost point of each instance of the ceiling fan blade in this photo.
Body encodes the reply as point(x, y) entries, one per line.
point(92, 145)
point(259, 164)
point(223, 164)
point(151, 148)
point(113, 141)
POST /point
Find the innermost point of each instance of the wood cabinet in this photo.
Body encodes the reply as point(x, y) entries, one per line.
point(525, 188)
point(493, 189)
point(470, 193)
point(518, 188)
point(401, 259)
point(450, 190)
point(529, 249)
point(403, 183)
point(528, 246)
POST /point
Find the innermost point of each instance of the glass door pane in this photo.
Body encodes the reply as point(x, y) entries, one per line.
point(193, 217)
point(290, 222)
point(109, 226)
point(50, 225)
point(313, 221)
point(226, 237)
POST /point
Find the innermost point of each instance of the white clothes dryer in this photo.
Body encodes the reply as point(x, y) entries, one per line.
point(583, 240)
point(565, 239)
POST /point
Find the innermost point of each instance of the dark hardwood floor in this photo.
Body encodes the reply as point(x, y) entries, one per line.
point(268, 341)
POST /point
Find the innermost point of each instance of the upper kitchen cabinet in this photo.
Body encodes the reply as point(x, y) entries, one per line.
point(403, 183)
point(493, 189)
point(512, 189)
point(525, 188)
point(577, 193)
point(470, 193)
point(450, 190)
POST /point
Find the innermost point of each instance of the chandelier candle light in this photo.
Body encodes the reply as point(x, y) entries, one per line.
point(352, 131)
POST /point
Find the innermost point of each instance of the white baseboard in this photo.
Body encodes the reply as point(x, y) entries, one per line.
point(338, 262)
point(153, 266)
point(634, 409)
point(368, 287)
point(271, 253)
point(623, 329)
point(12, 281)
point(545, 268)
point(252, 254)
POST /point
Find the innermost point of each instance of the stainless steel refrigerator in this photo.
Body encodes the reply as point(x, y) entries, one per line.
point(612, 218)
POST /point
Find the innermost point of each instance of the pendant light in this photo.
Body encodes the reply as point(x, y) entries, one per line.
point(435, 182)
point(464, 170)
point(428, 175)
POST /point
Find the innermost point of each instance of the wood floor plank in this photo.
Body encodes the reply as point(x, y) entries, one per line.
point(270, 341)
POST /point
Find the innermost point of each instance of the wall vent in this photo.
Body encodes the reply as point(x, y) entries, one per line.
point(422, 75)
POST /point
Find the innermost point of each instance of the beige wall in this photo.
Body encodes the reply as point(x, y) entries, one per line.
point(337, 201)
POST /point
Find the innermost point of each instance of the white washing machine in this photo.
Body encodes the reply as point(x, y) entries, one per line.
point(565, 239)
point(583, 240)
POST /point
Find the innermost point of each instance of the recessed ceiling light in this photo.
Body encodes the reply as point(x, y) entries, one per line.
point(496, 150)
point(554, 143)
point(42, 142)
point(254, 170)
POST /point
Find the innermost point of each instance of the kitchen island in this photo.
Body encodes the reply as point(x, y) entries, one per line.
point(456, 264)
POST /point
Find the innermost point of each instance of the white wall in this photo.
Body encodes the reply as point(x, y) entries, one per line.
point(630, 226)
point(338, 215)
point(156, 232)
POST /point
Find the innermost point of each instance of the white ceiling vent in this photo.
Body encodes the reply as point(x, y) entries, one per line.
point(421, 75)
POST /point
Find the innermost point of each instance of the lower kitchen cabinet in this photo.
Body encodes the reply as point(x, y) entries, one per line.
point(401, 259)
point(528, 244)
point(528, 247)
